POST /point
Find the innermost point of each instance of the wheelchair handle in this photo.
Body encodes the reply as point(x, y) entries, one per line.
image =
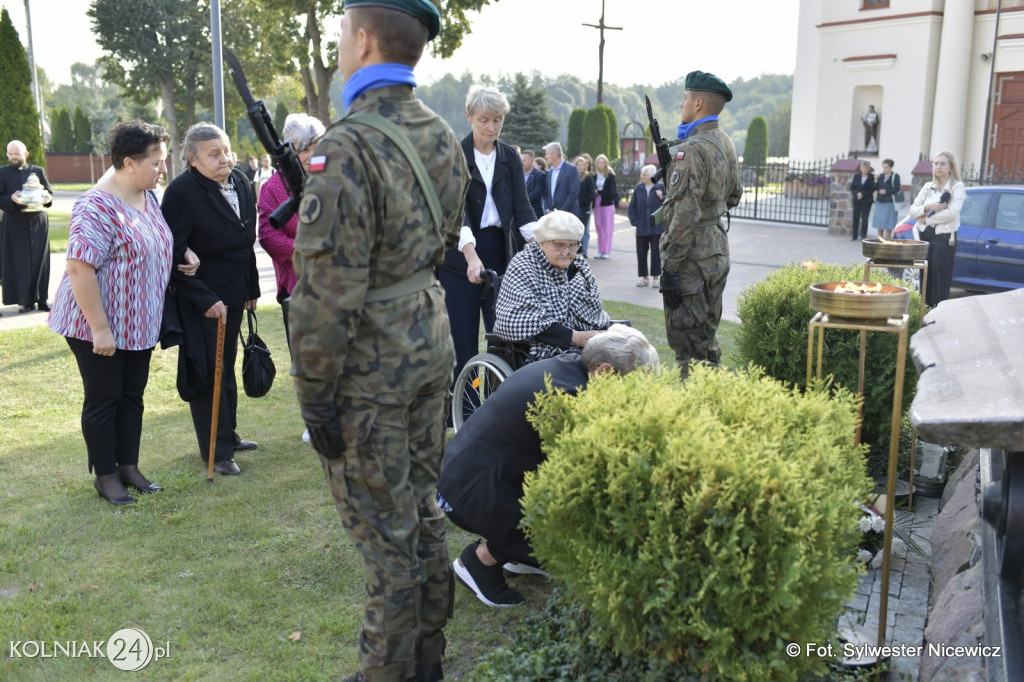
point(491, 279)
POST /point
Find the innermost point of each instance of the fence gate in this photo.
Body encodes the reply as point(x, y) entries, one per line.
point(786, 192)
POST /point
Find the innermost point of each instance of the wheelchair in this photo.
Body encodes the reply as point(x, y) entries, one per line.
point(484, 372)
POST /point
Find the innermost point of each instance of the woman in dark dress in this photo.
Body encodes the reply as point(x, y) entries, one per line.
point(211, 209)
point(862, 190)
point(588, 191)
point(498, 221)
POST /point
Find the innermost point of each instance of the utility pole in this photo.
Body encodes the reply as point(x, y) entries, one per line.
point(37, 93)
point(600, 53)
point(218, 65)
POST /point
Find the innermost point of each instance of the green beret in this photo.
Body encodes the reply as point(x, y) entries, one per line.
point(424, 10)
point(700, 80)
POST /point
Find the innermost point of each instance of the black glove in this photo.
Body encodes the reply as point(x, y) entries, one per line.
point(324, 431)
point(671, 292)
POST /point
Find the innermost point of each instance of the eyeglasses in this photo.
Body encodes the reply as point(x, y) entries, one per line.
point(564, 247)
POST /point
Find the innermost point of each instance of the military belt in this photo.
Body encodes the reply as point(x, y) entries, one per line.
point(709, 223)
point(417, 281)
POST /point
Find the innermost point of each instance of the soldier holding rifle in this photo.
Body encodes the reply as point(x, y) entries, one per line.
point(702, 184)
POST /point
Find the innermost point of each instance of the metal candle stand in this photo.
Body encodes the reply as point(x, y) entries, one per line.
point(822, 321)
point(921, 265)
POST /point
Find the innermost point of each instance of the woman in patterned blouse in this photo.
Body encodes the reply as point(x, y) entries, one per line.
point(110, 302)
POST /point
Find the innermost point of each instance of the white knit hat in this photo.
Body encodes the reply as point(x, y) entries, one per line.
point(558, 225)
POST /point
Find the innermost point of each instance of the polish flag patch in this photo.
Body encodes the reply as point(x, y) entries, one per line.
point(680, 155)
point(317, 163)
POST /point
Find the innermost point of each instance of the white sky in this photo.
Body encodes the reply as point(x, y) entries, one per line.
point(661, 40)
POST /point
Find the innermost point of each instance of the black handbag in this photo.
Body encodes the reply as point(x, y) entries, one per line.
point(258, 369)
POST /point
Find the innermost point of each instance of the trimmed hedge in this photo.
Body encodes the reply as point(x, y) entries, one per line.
point(775, 313)
point(708, 523)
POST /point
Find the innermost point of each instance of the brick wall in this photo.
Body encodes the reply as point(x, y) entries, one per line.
point(75, 167)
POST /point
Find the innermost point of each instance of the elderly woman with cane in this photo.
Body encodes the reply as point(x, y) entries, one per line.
point(211, 209)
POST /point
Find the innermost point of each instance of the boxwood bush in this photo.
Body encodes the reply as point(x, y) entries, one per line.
point(775, 313)
point(706, 523)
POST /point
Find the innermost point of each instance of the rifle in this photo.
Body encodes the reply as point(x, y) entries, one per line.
point(282, 154)
point(664, 157)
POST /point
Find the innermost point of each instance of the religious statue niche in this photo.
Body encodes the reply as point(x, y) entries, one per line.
point(871, 121)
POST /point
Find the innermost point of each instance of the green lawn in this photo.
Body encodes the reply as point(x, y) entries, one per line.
point(223, 574)
point(70, 186)
point(60, 224)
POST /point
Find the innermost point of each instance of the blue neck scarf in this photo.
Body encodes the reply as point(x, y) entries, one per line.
point(686, 129)
point(375, 76)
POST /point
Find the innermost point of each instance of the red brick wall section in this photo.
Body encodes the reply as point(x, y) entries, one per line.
point(75, 167)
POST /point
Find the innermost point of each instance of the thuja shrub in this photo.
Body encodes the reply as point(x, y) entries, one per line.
point(707, 523)
point(775, 313)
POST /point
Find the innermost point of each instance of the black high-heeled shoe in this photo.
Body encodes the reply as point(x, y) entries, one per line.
point(98, 484)
point(132, 478)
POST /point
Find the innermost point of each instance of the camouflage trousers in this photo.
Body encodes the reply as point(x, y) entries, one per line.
point(384, 490)
point(692, 327)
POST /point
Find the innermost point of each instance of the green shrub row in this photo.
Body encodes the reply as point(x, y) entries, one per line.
point(775, 313)
point(705, 523)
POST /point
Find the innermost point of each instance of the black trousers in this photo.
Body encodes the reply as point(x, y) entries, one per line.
point(466, 301)
point(202, 407)
point(642, 245)
point(861, 211)
point(112, 407)
point(941, 255)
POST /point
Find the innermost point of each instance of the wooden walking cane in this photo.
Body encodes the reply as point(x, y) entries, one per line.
point(217, 376)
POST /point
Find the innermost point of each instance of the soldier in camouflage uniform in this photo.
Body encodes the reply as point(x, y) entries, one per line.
point(372, 349)
point(702, 184)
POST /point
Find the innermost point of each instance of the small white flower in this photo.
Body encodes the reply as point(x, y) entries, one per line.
point(865, 524)
point(878, 524)
point(877, 561)
point(898, 546)
point(863, 556)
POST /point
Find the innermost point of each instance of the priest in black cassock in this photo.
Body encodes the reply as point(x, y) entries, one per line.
point(24, 235)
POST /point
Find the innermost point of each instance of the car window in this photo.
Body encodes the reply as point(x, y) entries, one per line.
point(1010, 213)
point(973, 210)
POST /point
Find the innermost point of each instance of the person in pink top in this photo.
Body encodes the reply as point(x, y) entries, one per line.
point(302, 131)
point(110, 302)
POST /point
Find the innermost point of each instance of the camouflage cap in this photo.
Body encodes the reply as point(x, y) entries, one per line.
point(701, 80)
point(424, 10)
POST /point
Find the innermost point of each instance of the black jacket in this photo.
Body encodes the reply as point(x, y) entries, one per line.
point(610, 194)
point(508, 189)
point(201, 218)
point(588, 190)
point(535, 190)
point(865, 187)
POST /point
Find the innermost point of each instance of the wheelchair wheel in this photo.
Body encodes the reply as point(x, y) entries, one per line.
point(477, 381)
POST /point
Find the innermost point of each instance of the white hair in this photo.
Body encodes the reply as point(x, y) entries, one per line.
point(650, 169)
point(301, 130)
point(555, 147)
point(487, 99)
point(622, 347)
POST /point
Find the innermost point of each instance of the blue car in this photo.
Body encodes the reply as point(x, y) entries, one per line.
point(990, 252)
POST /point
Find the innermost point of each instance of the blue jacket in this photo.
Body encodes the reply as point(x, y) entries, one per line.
point(567, 190)
point(642, 205)
point(535, 190)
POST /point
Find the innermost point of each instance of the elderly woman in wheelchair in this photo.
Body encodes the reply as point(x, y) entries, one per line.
point(547, 304)
point(548, 296)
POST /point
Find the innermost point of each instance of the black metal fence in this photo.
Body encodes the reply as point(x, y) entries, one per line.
point(973, 176)
point(788, 191)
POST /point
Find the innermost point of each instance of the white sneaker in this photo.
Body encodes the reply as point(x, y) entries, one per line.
point(642, 282)
point(655, 283)
point(305, 436)
point(525, 569)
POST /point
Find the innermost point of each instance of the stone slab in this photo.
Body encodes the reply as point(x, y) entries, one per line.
point(970, 389)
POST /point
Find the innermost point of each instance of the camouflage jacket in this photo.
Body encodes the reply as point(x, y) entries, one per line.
point(364, 224)
point(701, 185)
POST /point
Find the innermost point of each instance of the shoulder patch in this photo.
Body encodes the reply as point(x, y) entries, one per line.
point(680, 155)
point(309, 209)
point(317, 163)
point(675, 178)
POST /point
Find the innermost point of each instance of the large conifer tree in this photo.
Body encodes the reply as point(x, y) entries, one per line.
point(63, 139)
point(595, 133)
point(82, 128)
point(528, 123)
point(576, 119)
point(19, 118)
